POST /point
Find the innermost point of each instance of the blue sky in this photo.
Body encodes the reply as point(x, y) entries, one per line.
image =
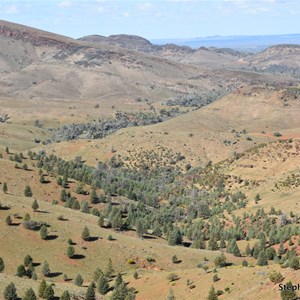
point(156, 18)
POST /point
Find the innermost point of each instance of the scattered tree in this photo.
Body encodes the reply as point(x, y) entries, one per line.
point(288, 293)
point(27, 260)
point(85, 235)
point(78, 280)
point(46, 269)
point(65, 296)
point(21, 271)
point(10, 292)
point(35, 205)
point(212, 294)
point(48, 292)
point(70, 251)
point(90, 293)
point(28, 191)
point(103, 285)
point(44, 232)
point(42, 288)
point(29, 295)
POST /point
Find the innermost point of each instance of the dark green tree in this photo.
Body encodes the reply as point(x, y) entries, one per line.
point(101, 221)
point(117, 222)
point(294, 262)
point(281, 249)
point(288, 293)
point(262, 260)
point(140, 228)
point(93, 197)
point(28, 191)
point(175, 237)
point(220, 261)
point(27, 260)
point(35, 205)
point(46, 269)
point(97, 274)
point(44, 232)
point(65, 296)
point(78, 280)
point(103, 285)
point(21, 271)
point(118, 280)
point(212, 295)
point(10, 292)
point(109, 268)
point(70, 251)
point(29, 295)
point(85, 235)
point(48, 292)
point(270, 253)
point(42, 288)
point(90, 293)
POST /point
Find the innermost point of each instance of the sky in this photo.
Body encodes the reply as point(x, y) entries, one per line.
point(156, 19)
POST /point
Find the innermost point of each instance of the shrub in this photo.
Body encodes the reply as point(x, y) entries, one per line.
point(276, 277)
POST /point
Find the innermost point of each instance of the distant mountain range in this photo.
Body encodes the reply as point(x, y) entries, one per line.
point(240, 42)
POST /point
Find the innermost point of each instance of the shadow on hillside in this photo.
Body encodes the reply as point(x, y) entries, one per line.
point(178, 261)
point(78, 256)
point(149, 237)
point(93, 238)
point(63, 219)
point(46, 181)
point(42, 211)
point(35, 264)
point(4, 207)
point(54, 274)
point(51, 237)
point(186, 244)
point(15, 224)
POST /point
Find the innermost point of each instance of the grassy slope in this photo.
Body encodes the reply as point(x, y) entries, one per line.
point(199, 135)
point(152, 283)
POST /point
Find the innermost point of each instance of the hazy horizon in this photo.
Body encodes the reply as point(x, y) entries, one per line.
point(153, 20)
